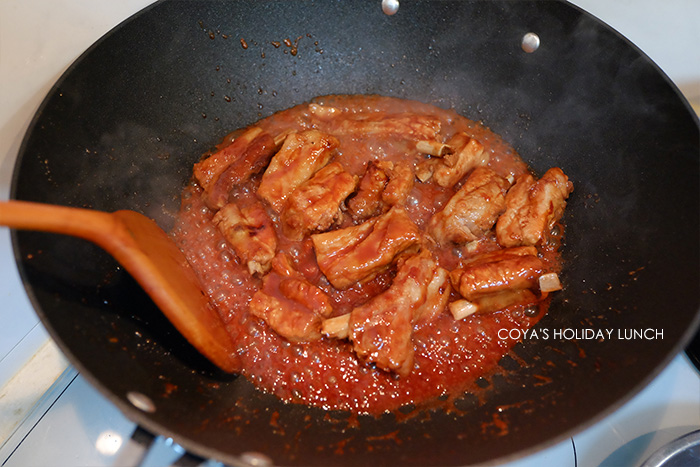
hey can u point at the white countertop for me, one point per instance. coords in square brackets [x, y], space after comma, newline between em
[39, 39]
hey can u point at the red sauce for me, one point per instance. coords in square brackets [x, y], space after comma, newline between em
[450, 354]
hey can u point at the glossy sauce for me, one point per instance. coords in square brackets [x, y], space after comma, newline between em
[450, 354]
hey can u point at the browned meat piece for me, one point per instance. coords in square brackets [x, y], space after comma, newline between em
[498, 255]
[287, 318]
[384, 184]
[247, 155]
[532, 208]
[463, 154]
[291, 306]
[357, 254]
[315, 205]
[208, 170]
[434, 282]
[250, 233]
[282, 265]
[302, 291]
[373, 124]
[363, 124]
[436, 292]
[400, 184]
[368, 200]
[472, 210]
[453, 168]
[509, 269]
[381, 330]
[302, 155]
[504, 299]
[455, 149]
[380, 125]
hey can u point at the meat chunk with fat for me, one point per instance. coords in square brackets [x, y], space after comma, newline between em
[381, 330]
[423, 271]
[532, 208]
[368, 200]
[410, 126]
[381, 333]
[316, 204]
[293, 307]
[233, 164]
[401, 179]
[250, 232]
[463, 154]
[384, 184]
[358, 253]
[500, 271]
[473, 210]
[373, 124]
[301, 156]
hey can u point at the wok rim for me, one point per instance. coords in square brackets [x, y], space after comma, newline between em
[142, 419]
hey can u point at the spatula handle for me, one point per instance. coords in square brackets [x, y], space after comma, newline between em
[84, 223]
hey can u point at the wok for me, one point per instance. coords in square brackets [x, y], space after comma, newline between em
[123, 126]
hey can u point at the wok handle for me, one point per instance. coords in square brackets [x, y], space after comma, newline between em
[84, 223]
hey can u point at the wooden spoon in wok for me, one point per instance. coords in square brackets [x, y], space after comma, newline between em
[149, 255]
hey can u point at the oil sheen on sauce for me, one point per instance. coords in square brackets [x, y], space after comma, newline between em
[450, 355]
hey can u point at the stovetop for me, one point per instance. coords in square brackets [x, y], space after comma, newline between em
[74, 425]
[50, 415]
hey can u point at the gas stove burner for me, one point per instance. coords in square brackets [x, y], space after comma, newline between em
[681, 452]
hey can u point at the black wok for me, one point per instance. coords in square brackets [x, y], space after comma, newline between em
[123, 126]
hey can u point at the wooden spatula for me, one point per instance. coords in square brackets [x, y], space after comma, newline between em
[149, 255]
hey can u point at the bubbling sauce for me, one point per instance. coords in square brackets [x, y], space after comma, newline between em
[449, 354]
